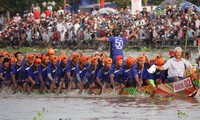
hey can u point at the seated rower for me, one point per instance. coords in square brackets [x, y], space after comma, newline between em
[52, 73]
[92, 72]
[140, 71]
[116, 71]
[62, 69]
[43, 72]
[127, 75]
[5, 73]
[33, 80]
[81, 74]
[103, 76]
[176, 66]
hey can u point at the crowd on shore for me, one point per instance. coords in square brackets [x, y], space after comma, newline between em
[71, 30]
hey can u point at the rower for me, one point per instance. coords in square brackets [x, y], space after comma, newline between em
[103, 76]
[92, 72]
[140, 71]
[33, 80]
[62, 69]
[17, 71]
[52, 73]
[116, 71]
[42, 70]
[5, 72]
[73, 61]
[127, 75]
[81, 74]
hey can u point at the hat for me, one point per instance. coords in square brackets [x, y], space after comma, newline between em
[38, 61]
[64, 57]
[75, 55]
[140, 58]
[130, 61]
[93, 60]
[171, 53]
[119, 57]
[54, 58]
[83, 59]
[31, 56]
[159, 61]
[12, 59]
[44, 57]
[5, 53]
[108, 60]
[51, 51]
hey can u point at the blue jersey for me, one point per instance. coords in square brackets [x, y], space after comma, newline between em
[27, 68]
[104, 75]
[160, 75]
[71, 68]
[33, 72]
[52, 70]
[18, 71]
[142, 73]
[42, 70]
[117, 44]
[5, 72]
[62, 70]
[92, 74]
[127, 74]
[117, 73]
[81, 73]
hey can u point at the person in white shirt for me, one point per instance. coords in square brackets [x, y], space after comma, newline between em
[60, 11]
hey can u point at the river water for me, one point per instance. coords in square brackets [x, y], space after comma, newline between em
[109, 107]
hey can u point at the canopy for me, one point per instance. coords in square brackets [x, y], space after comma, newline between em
[188, 4]
[107, 10]
[170, 2]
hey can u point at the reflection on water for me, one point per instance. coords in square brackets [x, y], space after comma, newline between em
[26, 107]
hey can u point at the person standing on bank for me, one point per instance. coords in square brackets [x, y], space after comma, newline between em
[117, 42]
[176, 66]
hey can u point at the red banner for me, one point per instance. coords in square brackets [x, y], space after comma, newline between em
[102, 4]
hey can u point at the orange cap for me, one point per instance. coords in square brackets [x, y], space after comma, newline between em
[38, 61]
[75, 55]
[63, 57]
[51, 51]
[44, 57]
[119, 57]
[12, 59]
[171, 53]
[159, 61]
[31, 56]
[130, 61]
[140, 58]
[5, 54]
[54, 58]
[108, 60]
[83, 59]
[93, 60]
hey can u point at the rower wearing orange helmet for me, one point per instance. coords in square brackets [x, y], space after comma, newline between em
[33, 80]
[81, 73]
[52, 73]
[43, 71]
[92, 72]
[103, 76]
[116, 71]
[62, 70]
[71, 69]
